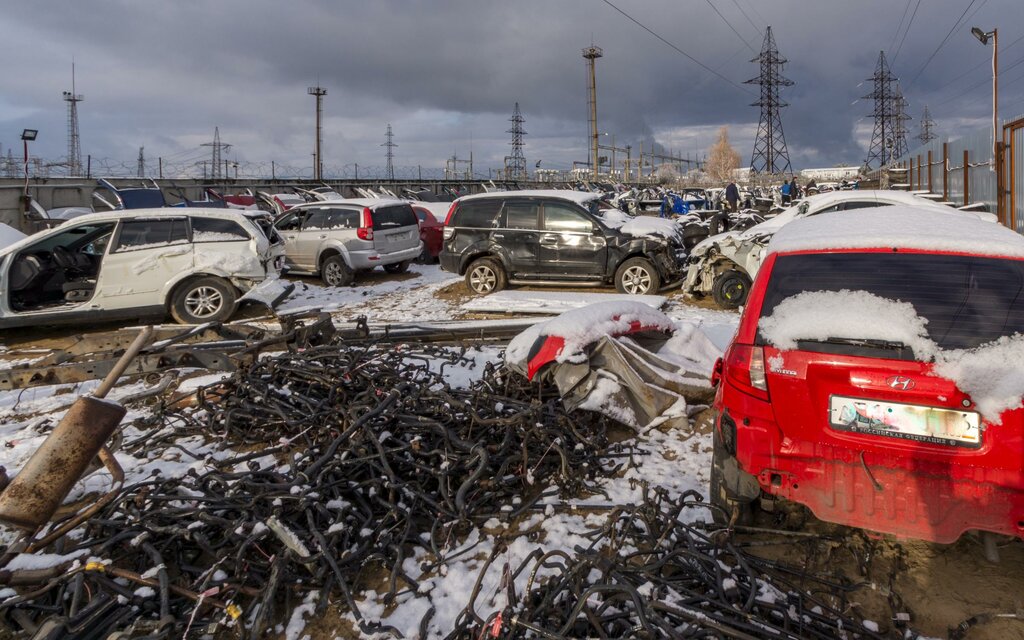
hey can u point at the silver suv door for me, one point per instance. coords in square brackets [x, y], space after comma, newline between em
[307, 242]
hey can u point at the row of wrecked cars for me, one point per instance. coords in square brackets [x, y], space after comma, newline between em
[197, 262]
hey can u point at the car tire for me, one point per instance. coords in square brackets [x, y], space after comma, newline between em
[207, 299]
[637, 276]
[730, 289]
[485, 276]
[335, 272]
[398, 267]
[717, 495]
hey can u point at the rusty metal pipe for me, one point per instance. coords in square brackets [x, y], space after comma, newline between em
[34, 495]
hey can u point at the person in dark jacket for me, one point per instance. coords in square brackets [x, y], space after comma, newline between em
[732, 196]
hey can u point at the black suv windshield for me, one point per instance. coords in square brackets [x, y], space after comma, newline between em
[968, 301]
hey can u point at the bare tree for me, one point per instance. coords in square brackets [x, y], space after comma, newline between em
[723, 159]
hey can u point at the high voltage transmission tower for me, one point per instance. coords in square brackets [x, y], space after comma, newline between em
[899, 110]
[217, 170]
[515, 164]
[927, 123]
[590, 54]
[889, 138]
[770, 154]
[74, 145]
[390, 170]
[318, 159]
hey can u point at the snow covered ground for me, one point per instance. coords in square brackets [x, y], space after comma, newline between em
[678, 460]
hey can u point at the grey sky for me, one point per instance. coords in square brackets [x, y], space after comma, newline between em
[447, 74]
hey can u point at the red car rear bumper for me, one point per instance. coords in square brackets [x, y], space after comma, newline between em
[870, 488]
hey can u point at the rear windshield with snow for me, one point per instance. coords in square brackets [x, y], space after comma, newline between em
[393, 217]
[967, 301]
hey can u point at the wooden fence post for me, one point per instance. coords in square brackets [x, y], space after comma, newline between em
[945, 171]
[967, 179]
[930, 190]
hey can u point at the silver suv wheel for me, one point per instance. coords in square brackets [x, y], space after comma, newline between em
[636, 279]
[204, 302]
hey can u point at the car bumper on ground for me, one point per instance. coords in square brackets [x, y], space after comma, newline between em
[371, 259]
[270, 292]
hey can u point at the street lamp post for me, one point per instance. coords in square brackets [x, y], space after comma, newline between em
[984, 37]
[27, 135]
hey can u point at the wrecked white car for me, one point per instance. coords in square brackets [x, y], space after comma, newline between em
[723, 266]
[194, 264]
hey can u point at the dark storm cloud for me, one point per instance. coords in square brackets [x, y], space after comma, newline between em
[446, 74]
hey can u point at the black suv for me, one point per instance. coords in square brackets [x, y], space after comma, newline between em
[549, 237]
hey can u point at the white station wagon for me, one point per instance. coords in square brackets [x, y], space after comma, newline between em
[194, 264]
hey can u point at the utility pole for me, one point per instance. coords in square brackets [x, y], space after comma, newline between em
[927, 123]
[884, 95]
[140, 171]
[590, 54]
[215, 158]
[516, 163]
[390, 170]
[74, 146]
[770, 153]
[318, 159]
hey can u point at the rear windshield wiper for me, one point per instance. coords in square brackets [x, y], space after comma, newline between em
[859, 347]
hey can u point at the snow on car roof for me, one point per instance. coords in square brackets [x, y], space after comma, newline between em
[579, 197]
[898, 227]
[372, 203]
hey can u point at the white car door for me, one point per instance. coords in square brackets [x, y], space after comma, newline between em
[144, 254]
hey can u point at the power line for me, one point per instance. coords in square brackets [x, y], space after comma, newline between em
[740, 7]
[674, 47]
[964, 92]
[758, 15]
[730, 26]
[896, 35]
[941, 44]
[986, 61]
[904, 39]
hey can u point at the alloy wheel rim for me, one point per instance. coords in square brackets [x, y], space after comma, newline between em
[636, 280]
[483, 280]
[204, 302]
[333, 273]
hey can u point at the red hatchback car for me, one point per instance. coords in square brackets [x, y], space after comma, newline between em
[877, 376]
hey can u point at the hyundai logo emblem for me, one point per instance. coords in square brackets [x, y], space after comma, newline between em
[900, 382]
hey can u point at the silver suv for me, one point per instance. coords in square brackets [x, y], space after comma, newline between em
[337, 238]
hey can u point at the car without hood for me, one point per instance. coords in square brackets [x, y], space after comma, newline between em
[875, 377]
[193, 264]
[724, 265]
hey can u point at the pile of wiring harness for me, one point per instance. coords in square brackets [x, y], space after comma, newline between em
[656, 570]
[328, 463]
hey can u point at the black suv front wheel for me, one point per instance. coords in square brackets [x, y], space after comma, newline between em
[485, 276]
[637, 276]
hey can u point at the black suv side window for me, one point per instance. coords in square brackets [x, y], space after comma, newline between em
[477, 215]
[562, 218]
[521, 215]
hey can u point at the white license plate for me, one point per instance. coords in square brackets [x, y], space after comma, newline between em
[906, 421]
[399, 236]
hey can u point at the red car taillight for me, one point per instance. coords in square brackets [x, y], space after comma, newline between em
[448, 218]
[365, 232]
[744, 367]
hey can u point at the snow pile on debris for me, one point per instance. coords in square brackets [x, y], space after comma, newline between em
[901, 227]
[642, 226]
[581, 327]
[550, 302]
[990, 374]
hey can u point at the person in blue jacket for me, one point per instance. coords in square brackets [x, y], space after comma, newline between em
[786, 195]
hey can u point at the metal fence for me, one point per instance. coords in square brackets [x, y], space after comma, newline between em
[963, 170]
